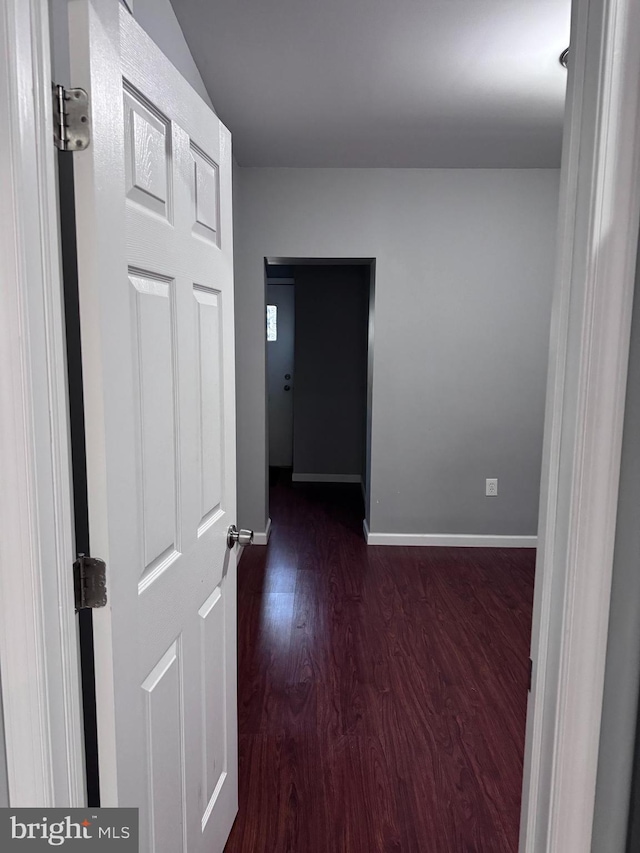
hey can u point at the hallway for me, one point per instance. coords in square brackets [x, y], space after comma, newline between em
[382, 690]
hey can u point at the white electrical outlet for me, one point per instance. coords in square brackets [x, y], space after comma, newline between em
[492, 487]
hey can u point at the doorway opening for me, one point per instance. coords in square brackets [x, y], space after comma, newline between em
[319, 356]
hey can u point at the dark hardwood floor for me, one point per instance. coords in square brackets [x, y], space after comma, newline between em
[382, 691]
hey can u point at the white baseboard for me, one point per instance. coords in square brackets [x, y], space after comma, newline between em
[262, 537]
[326, 478]
[454, 540]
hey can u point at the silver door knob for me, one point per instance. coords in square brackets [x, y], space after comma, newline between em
[238, 537]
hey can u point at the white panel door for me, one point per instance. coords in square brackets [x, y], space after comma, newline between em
[279, 367]
[153, 207]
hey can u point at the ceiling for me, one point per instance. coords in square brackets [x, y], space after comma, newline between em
[375, 83]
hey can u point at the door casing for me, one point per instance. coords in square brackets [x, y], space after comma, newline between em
[38, 628]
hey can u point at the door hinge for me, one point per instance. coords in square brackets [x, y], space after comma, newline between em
[530, 675]
[90, 582]
[70, 118]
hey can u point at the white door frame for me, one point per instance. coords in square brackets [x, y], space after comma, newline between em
[600, 200]
[38, 627]
[591, 319]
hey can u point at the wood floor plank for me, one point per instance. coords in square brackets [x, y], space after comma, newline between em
[382, 691]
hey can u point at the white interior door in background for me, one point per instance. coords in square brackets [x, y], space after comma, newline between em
[279, 366]
[153, 207]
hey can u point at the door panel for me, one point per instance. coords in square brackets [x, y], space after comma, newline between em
[212, 639]
[153, 204]
[205, 195]
[162, 698]
[147, 154]
[208, 314]
[154, 388]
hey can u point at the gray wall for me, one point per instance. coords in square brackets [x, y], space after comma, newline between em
[156, 17]
[464, 272]
[622, 674]
[330, 392]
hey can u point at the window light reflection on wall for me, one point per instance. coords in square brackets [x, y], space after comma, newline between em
[272, 322]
